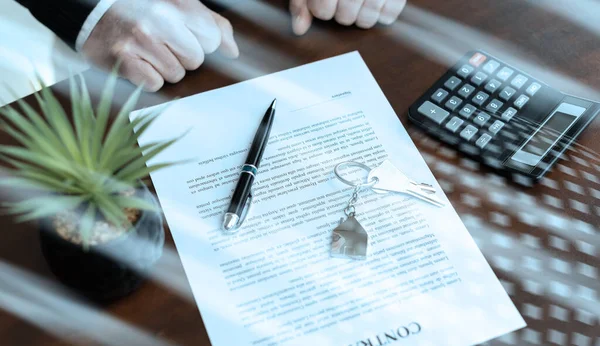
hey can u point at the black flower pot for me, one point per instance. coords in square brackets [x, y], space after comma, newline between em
[112, 270]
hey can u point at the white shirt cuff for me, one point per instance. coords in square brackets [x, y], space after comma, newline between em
[91, 22]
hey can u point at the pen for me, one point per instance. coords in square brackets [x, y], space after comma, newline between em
[242, 195]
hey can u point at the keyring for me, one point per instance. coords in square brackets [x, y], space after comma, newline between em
[355, 164]
[350, 240]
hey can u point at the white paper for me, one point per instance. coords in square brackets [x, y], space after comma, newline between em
[425, 281]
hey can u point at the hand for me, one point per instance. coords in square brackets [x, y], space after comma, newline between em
[364, 13]
[158, 40]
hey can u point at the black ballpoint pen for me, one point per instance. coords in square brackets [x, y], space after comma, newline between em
[242, 194]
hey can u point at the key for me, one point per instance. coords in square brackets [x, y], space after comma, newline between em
[519, 81]
[453, 103]
[433, 112]
[505, 73]
[507, 93]
[466, 90]
[480, 98]
[452, 83]
[493, 85]
[439, 96]
[533, 89]
[423, 186]
[521, 101]
[479, 78]
[491, 66]
[465, 71]
[467, 111]
[494, 106]
[391, 179]
[454, 124]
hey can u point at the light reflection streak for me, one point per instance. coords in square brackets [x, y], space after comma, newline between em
[44, 304]
[261, 13]
[535, 210]
[270, 17]
[211, 297]
[484, 232]
[259, 59]
[446, 41]
[432, 44]
[580, 12]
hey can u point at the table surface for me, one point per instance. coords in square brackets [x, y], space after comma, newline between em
[542, 243]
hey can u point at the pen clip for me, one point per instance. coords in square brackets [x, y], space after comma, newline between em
[243, 215]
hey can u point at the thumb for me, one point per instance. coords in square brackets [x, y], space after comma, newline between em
[301, 16]
[228, 46]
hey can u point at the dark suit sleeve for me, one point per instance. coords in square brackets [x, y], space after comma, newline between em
[64, 17]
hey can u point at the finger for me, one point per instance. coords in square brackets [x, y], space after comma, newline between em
[391, 10]
[202, 24]
[186, 48]
[163, 61]
[347, 11]
[369, 13]
[140, 72]
[228, 46]
[151, 47]
[301, 16]
[322, 9]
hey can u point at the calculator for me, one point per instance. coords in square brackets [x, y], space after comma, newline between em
[501, 116]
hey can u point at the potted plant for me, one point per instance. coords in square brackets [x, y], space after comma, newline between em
[101, 229]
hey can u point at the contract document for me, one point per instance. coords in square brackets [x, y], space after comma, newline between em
[424, 282]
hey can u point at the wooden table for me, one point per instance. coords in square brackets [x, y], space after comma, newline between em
[543, 243]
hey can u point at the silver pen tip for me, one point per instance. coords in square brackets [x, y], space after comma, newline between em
[274, 103]
[230, 221]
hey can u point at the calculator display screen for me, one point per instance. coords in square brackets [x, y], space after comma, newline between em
[532, 152]
[551, 131]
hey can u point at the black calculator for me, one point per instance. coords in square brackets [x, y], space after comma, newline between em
[502, 116]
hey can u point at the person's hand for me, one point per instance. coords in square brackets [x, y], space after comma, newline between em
[364, 13]
[158, 40]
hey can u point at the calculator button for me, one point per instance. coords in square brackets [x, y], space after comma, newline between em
[483, 140]
[519, 81]
[505, 73]
[507, 93]
[467, 111]
[480, 98]
[481, 118]
[494, 106]
[496, 126]
[433, 112]
[466, 90]
[468, 132]
[509, 114]
[465, 71]
[477, 59]
[479, 78]
[533, 89]
[439, 96]
[454, 124]
[453, 103]
[493, 85]
[521, 101]
[491, 66]
[452, 83]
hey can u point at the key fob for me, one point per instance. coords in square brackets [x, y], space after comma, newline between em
[349, 240]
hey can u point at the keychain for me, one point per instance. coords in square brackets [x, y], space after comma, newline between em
[349, 238]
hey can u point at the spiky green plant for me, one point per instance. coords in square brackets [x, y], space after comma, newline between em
[85, 165]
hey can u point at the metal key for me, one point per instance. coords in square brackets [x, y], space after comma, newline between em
[391, 179]
[425, 187]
